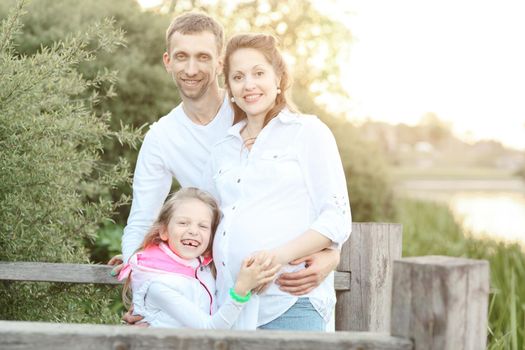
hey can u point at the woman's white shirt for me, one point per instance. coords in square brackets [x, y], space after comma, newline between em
[290, 181]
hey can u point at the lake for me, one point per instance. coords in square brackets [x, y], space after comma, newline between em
[494, 208]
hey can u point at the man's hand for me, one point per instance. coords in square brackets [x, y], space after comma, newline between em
[318, 266]
[116, 260]
[133, 320]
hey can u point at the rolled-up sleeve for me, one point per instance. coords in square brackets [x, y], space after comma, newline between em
[325, 179]
[151, 185]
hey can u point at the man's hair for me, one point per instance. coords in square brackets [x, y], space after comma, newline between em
[194, 22]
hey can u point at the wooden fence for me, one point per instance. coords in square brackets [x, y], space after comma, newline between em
[383, 302]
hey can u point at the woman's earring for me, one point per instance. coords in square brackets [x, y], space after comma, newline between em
[232, 99]
[278, 91]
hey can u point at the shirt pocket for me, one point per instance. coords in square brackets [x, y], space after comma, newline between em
[278, 163]
[224, 179]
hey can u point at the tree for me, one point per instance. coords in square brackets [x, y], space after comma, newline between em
[145, 91]
[53, 183]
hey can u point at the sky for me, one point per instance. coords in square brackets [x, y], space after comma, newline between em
[463, 60]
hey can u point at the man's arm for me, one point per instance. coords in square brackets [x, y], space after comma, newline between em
[151, 185]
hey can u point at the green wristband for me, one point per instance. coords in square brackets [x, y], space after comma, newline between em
[238, 298]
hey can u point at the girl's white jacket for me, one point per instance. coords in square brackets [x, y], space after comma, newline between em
[169, 291]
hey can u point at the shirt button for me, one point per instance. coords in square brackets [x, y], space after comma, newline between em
[233, 208]
[238, 180]
[224, 233]
[275, 156]
[223, 264]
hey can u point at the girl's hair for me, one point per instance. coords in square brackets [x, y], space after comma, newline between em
[267, 45]
[163, 219]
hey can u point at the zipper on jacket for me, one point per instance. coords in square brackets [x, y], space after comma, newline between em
[202, 284]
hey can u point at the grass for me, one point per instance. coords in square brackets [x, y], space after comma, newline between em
[430, 229]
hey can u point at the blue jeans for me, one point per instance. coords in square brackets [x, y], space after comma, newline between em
[302, 316]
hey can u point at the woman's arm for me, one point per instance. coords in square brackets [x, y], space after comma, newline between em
[325, 180]
[306, 244]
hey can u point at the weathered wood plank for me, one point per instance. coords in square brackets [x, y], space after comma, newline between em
[369, 256]
[441, 302]
[84, 273]
[44, 336]
[56, 272]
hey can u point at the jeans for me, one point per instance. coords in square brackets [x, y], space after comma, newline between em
[302, 316]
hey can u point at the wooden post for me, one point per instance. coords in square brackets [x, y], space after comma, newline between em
[441, 302]
[368, 256]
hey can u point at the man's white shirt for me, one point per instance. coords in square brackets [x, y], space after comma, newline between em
[176, 147]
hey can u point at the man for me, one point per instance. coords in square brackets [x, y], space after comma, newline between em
[179, 144]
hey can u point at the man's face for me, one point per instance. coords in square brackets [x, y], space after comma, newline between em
[193, 62]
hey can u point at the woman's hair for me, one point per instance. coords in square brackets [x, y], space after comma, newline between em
[163, 219]
[267, 45]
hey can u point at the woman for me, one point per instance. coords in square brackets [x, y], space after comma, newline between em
[281, 186]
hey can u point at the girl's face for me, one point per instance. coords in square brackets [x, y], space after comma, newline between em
[189, 230]
[253, 82]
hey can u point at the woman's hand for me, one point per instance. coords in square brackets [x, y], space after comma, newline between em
[317, 267]
[255, 271]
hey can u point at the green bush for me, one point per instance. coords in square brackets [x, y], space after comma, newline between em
[54, 188]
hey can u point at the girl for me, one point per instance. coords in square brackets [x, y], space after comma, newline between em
[171, 276]
[281, 186]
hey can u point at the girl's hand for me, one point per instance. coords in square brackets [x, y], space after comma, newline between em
[255, 272]
[270, 259]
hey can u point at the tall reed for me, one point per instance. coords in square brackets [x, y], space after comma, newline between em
[429, 228]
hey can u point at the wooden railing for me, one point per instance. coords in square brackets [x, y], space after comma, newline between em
[413, 303]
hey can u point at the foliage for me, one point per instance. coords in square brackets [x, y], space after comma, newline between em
[430, 229]
[53, 184]
[313, 42]
[108, 242]
[145, 91]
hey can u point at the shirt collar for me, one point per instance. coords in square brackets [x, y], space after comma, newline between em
[193, 263]
[285, 117]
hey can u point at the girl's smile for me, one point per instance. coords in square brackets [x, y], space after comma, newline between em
[189, 230]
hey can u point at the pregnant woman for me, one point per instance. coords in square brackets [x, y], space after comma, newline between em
[280, 183]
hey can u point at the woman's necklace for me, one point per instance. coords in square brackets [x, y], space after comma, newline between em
[250, 137]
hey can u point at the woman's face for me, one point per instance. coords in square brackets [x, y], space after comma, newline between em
[253, 82]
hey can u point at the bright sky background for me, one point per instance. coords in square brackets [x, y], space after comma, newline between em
[461, 59]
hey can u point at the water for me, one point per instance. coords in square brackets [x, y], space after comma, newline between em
[494, 208]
